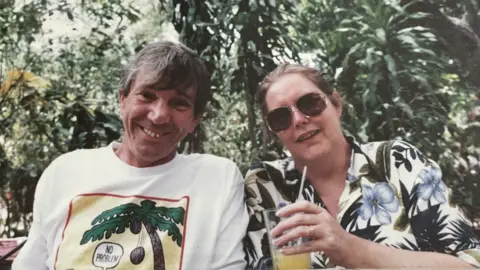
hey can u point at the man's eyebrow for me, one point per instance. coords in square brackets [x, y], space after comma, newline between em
[185, 94]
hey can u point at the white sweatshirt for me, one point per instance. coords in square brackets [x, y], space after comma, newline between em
[94, 211]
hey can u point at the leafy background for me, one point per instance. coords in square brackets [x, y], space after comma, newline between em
[406, 69]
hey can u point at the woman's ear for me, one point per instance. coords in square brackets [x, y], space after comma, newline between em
[336, 100]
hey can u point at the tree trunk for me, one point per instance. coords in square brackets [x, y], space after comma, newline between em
[266, 138]
[250, 116]
[7, 221]
[192, 14]
[158, 256]
[386, 94]
[250, 76]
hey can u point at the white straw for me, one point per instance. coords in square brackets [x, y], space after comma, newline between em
[303, 181]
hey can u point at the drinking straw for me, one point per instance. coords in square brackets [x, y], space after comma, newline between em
[303, 181]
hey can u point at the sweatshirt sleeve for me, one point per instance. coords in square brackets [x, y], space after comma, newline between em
[229, 252]
[34, 253]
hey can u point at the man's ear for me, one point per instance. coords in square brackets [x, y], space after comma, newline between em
[195, 123]
[337, 102]
[121, 98]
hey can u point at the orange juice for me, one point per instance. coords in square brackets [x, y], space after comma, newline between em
[287, 262]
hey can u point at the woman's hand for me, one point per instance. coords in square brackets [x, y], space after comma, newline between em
[305, 219]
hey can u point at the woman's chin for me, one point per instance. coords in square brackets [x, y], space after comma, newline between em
[312, 154]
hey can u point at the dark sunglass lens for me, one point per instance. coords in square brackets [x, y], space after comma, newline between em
[311, 104]
[279, 119]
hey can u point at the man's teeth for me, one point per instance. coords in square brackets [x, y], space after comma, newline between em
[151, 133]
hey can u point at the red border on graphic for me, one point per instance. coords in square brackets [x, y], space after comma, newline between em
[129, 196]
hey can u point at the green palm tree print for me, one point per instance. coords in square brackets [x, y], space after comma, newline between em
[134, 216]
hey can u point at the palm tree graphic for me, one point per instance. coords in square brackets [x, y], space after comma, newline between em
[132, 215]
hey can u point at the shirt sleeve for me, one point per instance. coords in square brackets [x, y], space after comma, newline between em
[34, 253]
[437, 222]
[229, 253]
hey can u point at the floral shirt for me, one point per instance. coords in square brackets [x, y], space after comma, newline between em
[394, 195]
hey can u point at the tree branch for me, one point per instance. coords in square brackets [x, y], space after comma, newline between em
[459, 38]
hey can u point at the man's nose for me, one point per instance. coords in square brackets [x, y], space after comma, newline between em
[159, 113]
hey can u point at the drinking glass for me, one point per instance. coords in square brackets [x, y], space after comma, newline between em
[280, 261]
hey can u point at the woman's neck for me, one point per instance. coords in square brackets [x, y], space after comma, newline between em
[327, 175]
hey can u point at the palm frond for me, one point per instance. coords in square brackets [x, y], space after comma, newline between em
[370, 233]
[170, 227]
[351, 215]
[429, 229]
[463, 234]
[121, 210]
[249, 249]
[406, 245]
[108, 227]
[412, 201]
[267, 200]
[177, 214]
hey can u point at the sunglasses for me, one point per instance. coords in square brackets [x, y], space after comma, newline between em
[311, 104]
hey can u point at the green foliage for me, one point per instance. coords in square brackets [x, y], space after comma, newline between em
[57, 94]
[241, 41]
[397, 82]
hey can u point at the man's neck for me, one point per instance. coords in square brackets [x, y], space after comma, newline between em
[128, 157]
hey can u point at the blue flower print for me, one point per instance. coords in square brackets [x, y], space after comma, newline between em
[379, 201]
[432, 185]
[351, 177]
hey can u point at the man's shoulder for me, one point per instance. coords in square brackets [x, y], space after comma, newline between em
[82, 153]
[219, 171]
[209, 161]
[70, 163]
[204, 157]
[77, 157]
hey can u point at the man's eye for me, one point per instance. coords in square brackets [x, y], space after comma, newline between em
[147, 95]
[179, 103]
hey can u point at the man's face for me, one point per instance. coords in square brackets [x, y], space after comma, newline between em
[154, 122]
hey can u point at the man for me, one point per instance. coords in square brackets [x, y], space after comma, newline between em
[139, 204]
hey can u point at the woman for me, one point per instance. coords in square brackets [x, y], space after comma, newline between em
[373, 205]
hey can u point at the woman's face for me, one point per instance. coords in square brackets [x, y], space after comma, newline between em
[307, 137]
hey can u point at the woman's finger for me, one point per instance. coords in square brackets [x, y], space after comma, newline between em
[307, 247]
[300, 206]
[296, 220]
[293, 235]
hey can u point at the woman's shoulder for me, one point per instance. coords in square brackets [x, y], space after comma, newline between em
[402, 163]
[395, 149]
